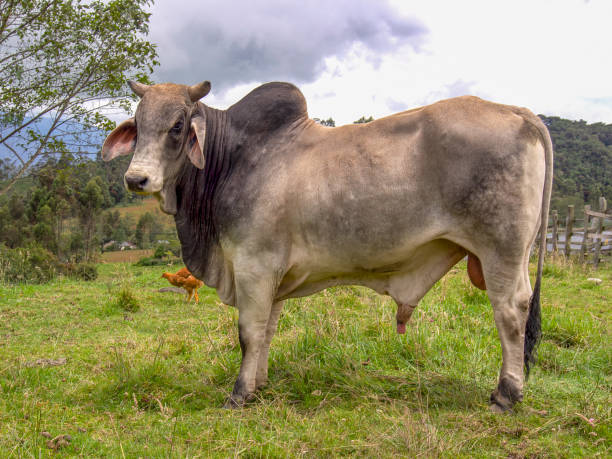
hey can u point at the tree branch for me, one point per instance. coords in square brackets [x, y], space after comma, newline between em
[15, 153]
[33, 158]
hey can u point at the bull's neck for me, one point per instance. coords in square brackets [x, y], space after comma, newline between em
[196, 195]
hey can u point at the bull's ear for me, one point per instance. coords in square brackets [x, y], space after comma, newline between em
[121, 141]
[197, 136]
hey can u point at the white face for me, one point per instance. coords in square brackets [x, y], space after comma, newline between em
[149, 174]
[162, 124]
[168, 128]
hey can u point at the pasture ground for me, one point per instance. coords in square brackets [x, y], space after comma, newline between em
[125, 256]
[151, 383]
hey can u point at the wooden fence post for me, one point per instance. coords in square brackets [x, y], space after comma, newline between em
[585, 236]
[603, 206]
[569, 226]
[555, 232]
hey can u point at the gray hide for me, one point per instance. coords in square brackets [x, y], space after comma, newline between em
[270, 205]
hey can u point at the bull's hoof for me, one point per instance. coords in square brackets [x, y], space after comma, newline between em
[235, 402]
[505, 396]
[495, 408]
[241, 395]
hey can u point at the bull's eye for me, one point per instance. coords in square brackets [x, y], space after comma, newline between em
[177, 128]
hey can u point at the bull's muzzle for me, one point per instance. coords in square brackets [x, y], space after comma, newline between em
[136, 182]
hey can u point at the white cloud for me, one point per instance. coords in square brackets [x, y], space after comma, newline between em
[236, 42]
[354, 58]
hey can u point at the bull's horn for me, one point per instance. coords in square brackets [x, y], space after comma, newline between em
[138, 88]
[197, 91]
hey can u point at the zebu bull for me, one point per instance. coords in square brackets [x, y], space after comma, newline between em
[269, 205]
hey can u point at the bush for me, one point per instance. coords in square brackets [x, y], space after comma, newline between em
[168, 250]
[83, 271]
[160, 251]
[87, 271]
[152, 261]
[175, 247]
[27, 264]
[126, 300]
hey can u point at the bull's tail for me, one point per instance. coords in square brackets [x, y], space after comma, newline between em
[533, 327]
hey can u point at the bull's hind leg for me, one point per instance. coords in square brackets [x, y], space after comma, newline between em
[509, 291]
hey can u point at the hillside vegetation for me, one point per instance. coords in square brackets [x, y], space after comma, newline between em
[147, 377]
[583, 161]
[73, 207]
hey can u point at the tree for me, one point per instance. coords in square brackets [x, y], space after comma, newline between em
[115, 227]
[43, 229]
[110, 221]
[63, 190]
[148, 231]
[91, 200]
[6, 169]
[583, 159]
[16, 207]
[15, 226]
[63, 67]
[328, 122]
[114, 171]
[364, 120]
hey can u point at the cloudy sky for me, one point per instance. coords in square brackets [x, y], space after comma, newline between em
[377, 57]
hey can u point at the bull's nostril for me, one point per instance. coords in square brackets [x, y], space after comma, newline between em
[136, 182]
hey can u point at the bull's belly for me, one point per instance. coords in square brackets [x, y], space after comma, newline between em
[304, 283]
[405, 277]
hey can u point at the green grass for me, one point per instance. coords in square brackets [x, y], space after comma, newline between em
[151, 383]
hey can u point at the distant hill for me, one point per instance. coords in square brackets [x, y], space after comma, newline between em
[138, 208]
[42, 125]
[583, 159]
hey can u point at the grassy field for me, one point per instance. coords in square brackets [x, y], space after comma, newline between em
[151, 383]
[125, 256]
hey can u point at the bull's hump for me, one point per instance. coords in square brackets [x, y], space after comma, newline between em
[269, 107]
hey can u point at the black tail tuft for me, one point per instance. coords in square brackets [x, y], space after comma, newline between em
[533, 329]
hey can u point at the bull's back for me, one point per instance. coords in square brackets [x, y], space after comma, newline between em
[353, 187]
[377, 191]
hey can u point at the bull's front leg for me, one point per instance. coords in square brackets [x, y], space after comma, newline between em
[254, 302]
[262, 365]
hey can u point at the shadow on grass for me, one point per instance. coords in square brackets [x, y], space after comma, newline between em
[334, 386]
[155, 386]
[304, 382]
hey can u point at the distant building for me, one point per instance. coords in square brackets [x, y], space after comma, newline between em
[125, 245]
[108, 244]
